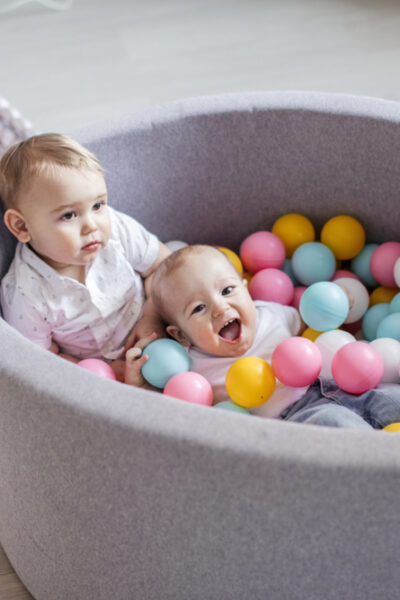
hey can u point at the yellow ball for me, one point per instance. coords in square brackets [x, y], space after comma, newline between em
[382, 294]
[293, 229]
[392, 427]
[344, 235]
[311, 334]
[250, 381]
[233, 257]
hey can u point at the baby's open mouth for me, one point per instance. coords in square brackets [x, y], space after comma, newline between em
[231, 330]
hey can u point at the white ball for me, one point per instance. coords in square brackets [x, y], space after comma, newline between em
[396, 272]
[389, 349]
[359, 294]
[176, 245]
[329, 343]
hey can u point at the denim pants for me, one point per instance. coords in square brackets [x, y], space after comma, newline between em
[325, 403]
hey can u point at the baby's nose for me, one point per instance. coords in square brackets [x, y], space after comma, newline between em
[219, 307]
[89, 224]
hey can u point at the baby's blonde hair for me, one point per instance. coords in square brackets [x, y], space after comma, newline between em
[38, 154]
[159, 289]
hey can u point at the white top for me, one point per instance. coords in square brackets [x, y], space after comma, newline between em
[275, 323]
[85, 320]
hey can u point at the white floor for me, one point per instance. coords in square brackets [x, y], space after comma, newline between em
[100, 58]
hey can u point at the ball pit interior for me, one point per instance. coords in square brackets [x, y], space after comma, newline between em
[112, 492]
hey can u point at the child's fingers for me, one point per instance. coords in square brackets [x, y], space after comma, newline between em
[143, 342]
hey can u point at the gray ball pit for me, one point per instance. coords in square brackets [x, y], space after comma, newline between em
[107, 492]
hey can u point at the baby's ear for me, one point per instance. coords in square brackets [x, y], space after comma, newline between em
[178, 335]
[16, 223]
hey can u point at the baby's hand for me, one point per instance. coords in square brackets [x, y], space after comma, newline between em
[143, 329]
[134, 361]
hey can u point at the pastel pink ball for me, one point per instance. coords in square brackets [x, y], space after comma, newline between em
[357, 367]
[297, 294]
[296, 361]
[262, 250]
[382, 263]
[339, 273]
[191, 387]
[97, 366]
[271, 285]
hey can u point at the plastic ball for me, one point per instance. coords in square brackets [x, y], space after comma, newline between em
[250, 381]
[231, 406]
[328, 344]
[294, 230]
[296, 361]
[340, 273]
[382, 294]
[174, 245]
[360, 296]
[394, 305]
[396, 272]
[389, 349]
[360, 265]
[271, 285]
[357, 367]
[98, 366]
[344, 235]
[313, 262]
[382, 263]
[262, 250]
[311, 334]
[297, 294]
[389, 326]
[372, 318]
[191, 387]
[287, 268]
[233, 257]
[166, 359]
[324, 305]
[392, 428]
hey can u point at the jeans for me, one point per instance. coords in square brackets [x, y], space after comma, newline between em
[325, 403]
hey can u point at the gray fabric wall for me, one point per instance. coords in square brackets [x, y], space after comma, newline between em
[111, 492]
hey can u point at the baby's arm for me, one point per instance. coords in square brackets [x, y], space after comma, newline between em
[150, 321]
[134, 361]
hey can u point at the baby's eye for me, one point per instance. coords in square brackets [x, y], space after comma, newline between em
[227, 290]
[68, 216]
[198, 308]
[97, 205]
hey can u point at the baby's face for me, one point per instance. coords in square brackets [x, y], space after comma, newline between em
[66, 216]
[213, 306]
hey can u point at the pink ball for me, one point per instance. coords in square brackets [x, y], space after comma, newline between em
[97, 366]
[357, 367]
[271, 285]
[382, 263]
[339, 273]
[191, 387]
[296, 361]
[297, 294]
[262, 250]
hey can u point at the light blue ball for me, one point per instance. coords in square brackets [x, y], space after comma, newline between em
[360, 265]
[394, 306]
[287, 268]
[324, 306]
[313, 262]
[231, 406]
[389, 327]
[372, 318]
[166, 358]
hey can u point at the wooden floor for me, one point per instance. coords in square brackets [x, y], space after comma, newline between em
[11, 587]
[101, 58]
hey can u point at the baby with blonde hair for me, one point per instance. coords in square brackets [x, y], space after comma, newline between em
[76, 283]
